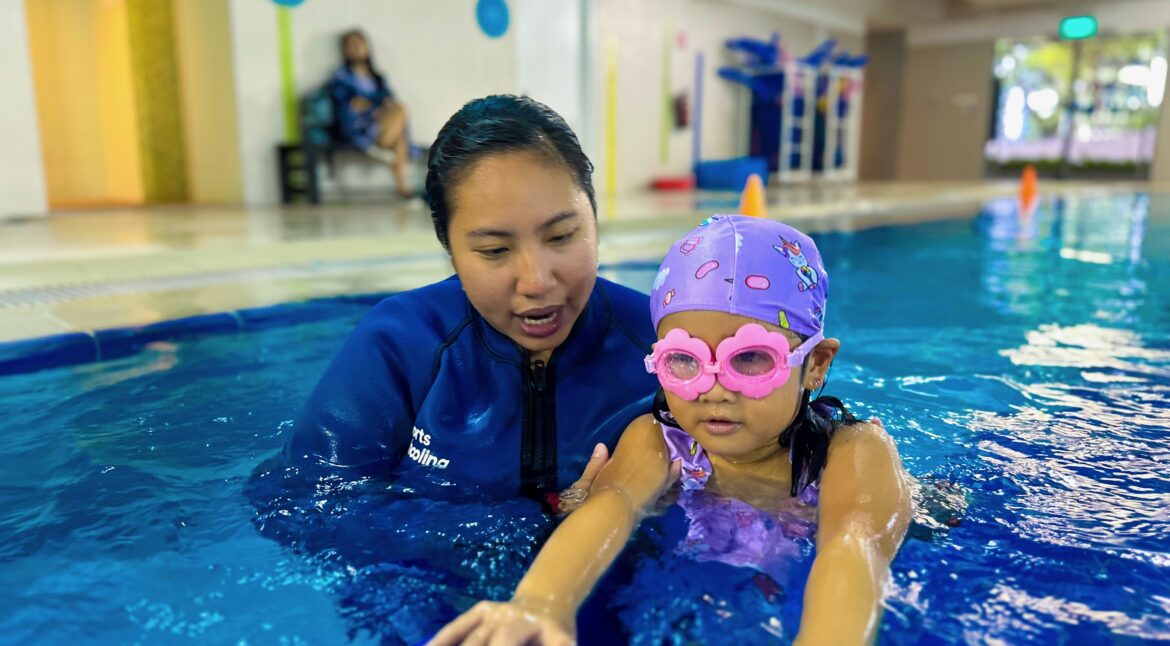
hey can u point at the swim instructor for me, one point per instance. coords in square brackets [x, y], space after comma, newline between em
[513, 373]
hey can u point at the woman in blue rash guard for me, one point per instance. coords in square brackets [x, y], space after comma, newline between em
[508, 376]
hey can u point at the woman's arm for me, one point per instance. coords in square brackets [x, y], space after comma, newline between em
[357, 422]
[580, 550]
[864, 510]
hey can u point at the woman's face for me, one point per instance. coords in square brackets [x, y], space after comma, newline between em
[523, 239]
[356, 49]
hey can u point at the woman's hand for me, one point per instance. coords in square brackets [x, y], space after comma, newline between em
[500, 624]
[573, 497]
[570, 499]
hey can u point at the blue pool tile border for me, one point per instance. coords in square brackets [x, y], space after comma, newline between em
[72, 348]
[41, 353]
[122, 342]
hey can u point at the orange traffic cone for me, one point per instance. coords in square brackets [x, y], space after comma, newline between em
[1028, 189]
[751, 201]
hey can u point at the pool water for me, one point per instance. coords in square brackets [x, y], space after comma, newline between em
[1021, 364]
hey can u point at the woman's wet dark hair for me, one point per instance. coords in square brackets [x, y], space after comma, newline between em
[807, 438]
[494, 125]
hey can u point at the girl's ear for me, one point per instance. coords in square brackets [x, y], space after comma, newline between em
[818, 362]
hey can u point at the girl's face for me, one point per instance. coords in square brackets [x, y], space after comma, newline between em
[728, 423]
[523, 239]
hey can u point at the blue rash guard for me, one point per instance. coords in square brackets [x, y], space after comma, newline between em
[425, 390]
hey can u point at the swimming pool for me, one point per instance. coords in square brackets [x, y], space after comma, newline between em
[1024, 362]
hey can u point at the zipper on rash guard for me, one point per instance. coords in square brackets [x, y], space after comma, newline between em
[538, 435]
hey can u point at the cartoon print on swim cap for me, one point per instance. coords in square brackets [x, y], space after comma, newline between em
[689, 245]
[669, 297]
[708, 221]
[791, 250]
[756, 281]
[706, 268]
[808, 277]
[819, 314]
[660, 279]
[733, 269]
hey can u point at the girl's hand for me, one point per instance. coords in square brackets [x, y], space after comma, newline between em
[500, 624]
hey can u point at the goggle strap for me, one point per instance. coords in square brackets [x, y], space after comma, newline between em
[797, 356]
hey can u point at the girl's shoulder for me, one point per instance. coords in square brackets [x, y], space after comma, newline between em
[861, 432]
[861, 452]
[639, 465]
[643, 437]
[644, 430]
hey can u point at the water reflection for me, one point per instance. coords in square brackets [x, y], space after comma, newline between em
[1075, 255]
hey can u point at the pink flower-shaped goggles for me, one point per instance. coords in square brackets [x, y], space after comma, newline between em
[753, 362]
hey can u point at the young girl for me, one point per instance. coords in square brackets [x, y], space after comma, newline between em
[739, 305]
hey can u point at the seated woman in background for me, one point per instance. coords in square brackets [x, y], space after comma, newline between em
[368, 115]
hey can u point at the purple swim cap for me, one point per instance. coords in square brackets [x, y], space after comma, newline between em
[748, 266]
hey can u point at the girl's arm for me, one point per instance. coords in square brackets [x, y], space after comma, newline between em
[864, 510]
[545, 603]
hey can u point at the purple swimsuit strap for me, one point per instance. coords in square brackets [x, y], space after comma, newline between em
[696, 466]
